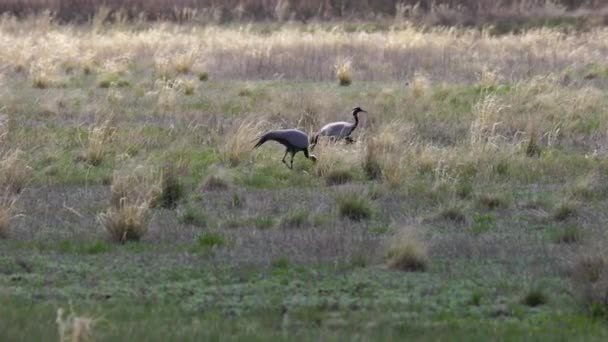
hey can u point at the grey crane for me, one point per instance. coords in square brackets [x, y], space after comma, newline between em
[294, 141]
[338, 130]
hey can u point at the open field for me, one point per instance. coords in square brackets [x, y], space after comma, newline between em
[471, 206]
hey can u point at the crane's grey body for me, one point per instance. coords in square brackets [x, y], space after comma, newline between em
[294, 141]
[338, 130]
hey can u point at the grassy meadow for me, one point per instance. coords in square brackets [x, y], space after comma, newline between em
[472, 206]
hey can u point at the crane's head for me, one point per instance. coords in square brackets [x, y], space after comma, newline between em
[358, 110]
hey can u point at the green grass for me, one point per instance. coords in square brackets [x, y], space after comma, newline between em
[355, 207]
[261, 252]
[194, 215]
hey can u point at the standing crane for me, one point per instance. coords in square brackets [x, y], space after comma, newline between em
[294, 141]
[338, 130]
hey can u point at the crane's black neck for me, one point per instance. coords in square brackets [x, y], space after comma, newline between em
[356, 115]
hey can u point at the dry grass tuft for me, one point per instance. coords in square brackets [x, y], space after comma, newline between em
[74, 328]
[240, 141]
[354, 206]
[453, 214]
[133, 192]
[140, 185]
[338, 177]
[97, 141]
[491, 201]
[372, 163]
[420, 84]
[7, 212]
[590, 276]
[566, 210]
[182, 63]
[483, 130]
[43, 74]
[344, 71]
[128, 222]
[406, 252]
[13, 172]
[172, 189]
[216, 183]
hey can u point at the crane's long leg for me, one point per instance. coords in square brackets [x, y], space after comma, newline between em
[292, 155]
[285, 155]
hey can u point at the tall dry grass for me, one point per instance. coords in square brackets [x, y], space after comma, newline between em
[440, 11]
[240, 139]
[442, 55]
[133, 191]
[73, 327]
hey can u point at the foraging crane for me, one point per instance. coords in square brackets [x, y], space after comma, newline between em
[338, 130]
[293, 139]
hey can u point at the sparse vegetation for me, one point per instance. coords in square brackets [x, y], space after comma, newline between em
[487, 147]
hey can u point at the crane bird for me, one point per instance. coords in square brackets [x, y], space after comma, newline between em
[338, 130]
[294, 141]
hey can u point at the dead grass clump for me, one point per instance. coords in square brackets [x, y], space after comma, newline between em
[590, 277]
[188, 87]
[420, 84]
[338, 177]
[13, 172]
[565, 211]
[43, 75]
[453, 214]
[203, 76]
[182, 63]
[483, 130]
[240, 140]
[406, 252]
[7, 212]
[372, 164]
[172, 189]
[344, 71]
[133, 192]
[140, 185]
[491, 201]
[74, 328]
[216, 183]
[97, 142]
[128, 222]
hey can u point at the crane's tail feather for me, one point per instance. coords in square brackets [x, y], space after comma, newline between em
[261, 141]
